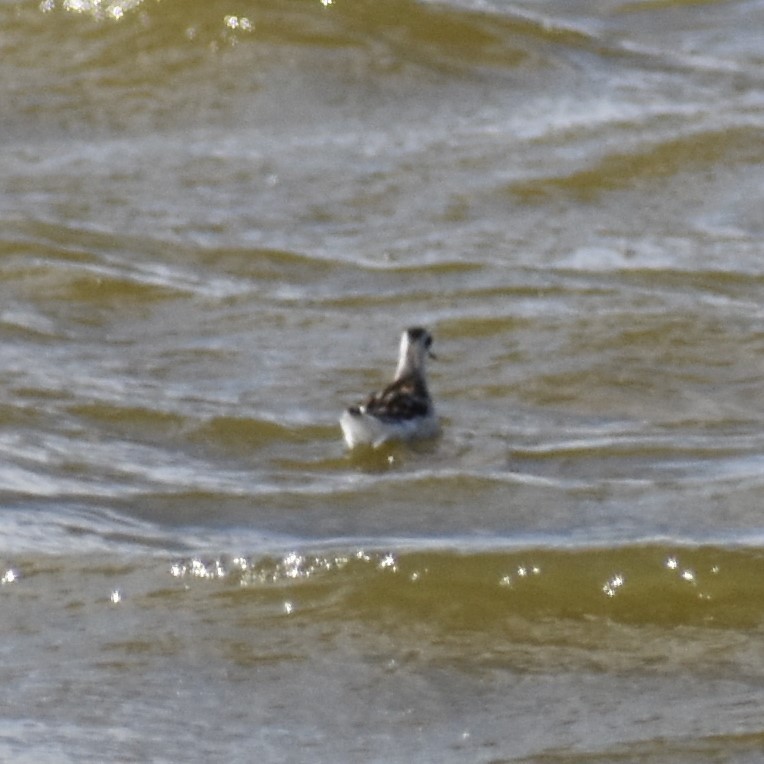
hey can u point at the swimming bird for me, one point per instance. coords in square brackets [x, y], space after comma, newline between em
[404, 409]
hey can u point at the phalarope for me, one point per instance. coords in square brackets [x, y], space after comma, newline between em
[403, 410]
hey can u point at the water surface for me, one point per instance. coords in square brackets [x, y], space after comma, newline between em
[216, 220]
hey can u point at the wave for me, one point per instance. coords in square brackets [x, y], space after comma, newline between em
[449, 586]
[653, 583]
[695, 152]
[433, 35]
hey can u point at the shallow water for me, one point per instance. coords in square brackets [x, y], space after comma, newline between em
[217, 219]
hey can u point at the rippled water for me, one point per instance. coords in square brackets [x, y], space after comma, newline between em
[217, 218]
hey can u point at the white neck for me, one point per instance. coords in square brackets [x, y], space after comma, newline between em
[411, 359]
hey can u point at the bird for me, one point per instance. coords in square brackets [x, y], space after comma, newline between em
[404, 409]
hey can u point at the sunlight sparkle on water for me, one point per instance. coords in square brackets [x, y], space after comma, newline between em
[294, 566]
[9, 577]
[613, 585]
[241, 23]
[97, 8]
[198, 569]
[388, 562]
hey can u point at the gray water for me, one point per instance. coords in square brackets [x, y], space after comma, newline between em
[216, 221]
